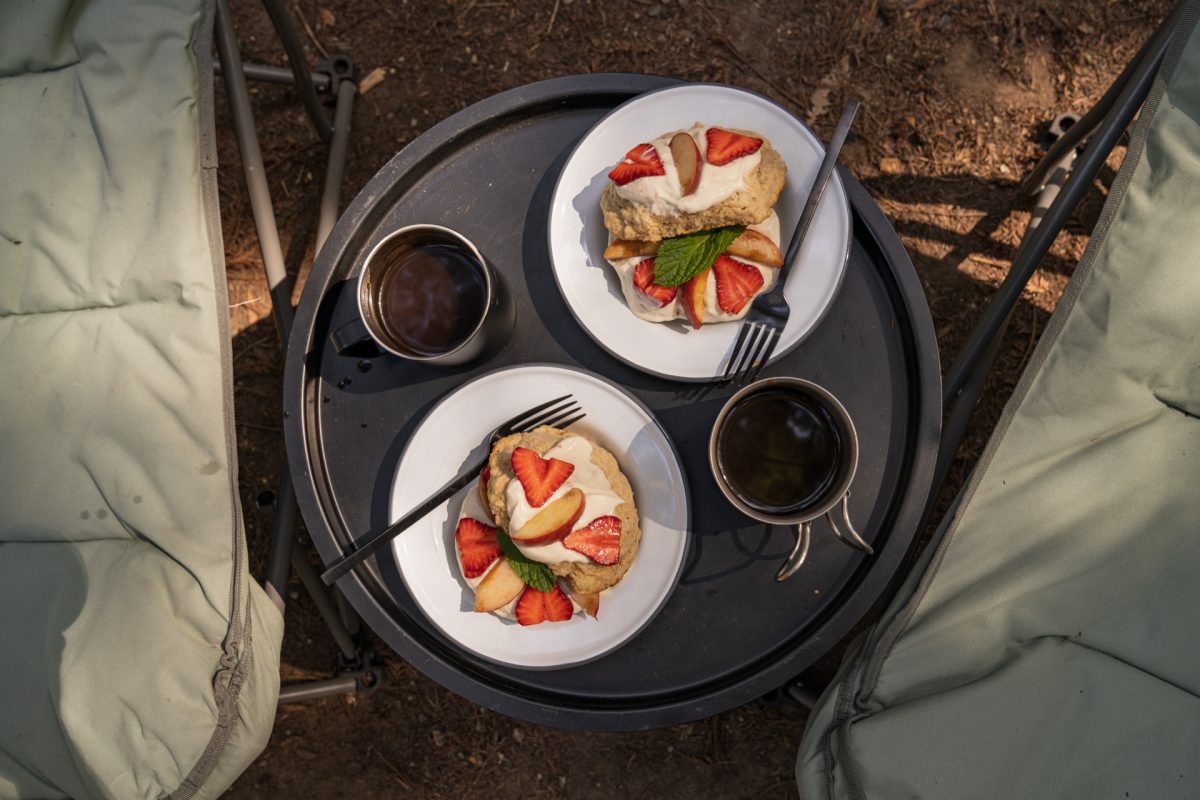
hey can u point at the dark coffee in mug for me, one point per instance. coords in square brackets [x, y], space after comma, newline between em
[429, 295]
[779, 451]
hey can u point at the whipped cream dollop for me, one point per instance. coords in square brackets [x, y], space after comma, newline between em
[663, 193]
[648, 309]
[599, 499]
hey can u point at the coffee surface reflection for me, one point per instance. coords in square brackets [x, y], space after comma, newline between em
[779, 451]
[431, 297]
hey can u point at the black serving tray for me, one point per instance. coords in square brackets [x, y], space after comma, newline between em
[729, 632]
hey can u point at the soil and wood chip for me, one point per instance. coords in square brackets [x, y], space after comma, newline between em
[955, 99]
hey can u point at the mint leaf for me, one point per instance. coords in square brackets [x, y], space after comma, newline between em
[534, 573]
[682, 258]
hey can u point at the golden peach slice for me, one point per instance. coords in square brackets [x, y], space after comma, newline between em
[691, 295]
[687, 162]
[498, 588]
[628, 248]
[552, 522]
[590, 603]
[754, 246]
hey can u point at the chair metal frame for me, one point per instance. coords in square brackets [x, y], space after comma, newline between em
[1060, 181]
[336, 78]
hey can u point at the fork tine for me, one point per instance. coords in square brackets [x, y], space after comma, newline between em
[766, 356]
[745, 360]
[760, 345]
[558, 412]
[519, 418]
[736, 351]
[566, 423]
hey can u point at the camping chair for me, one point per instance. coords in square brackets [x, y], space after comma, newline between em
[140, 657]
[1045, 644]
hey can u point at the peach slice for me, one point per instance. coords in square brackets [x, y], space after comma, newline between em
[754, 246]
[485, 475]
[590, 603]
[498, 587]
[687, 162]
[628, 248]
[552, 522]
[691, 295]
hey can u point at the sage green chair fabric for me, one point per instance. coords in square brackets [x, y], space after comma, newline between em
[1049, 645]
[138, 659]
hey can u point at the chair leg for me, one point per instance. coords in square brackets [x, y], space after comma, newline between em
[1124, 107]
[286, 30]
[335, 169]
[356, 670]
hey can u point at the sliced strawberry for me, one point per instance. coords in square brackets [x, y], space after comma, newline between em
[737, 282]
[640, 162]
[539, 477]
[535, 607]
[484, 476]
[725, 146]
[643, 279]
[599, 540]
[478, 546]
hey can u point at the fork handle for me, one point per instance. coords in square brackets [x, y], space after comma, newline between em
[373, 542]
[818, 189]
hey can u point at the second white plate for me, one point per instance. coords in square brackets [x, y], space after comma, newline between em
[577, 236]
[450, 437]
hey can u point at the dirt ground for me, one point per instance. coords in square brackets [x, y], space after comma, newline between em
[954, 101]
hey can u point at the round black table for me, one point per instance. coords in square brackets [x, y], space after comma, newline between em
[729, 632]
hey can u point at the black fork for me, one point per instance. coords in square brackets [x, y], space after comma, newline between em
[561, 412]
[768, 315]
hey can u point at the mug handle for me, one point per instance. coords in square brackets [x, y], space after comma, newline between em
[850, 536]
[354, 339]
[795, 559]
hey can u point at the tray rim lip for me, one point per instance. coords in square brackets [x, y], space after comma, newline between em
[842, 268]
[709, 699]
[687, 508]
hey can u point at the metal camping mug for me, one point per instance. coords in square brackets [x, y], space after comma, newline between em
[466, 272]
[835, 495]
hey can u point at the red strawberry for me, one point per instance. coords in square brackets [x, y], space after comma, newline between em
[484, 476]
[640, 162]
[725, 146]
[478, 546]
[737, 282]
[539, 476]
[643, 279]
[536, 607]
[600, 540]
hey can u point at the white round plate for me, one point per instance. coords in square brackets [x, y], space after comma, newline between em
[451, 436]
[577, 235]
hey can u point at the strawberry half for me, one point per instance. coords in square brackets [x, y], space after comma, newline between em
[478, 546]
[599, 540]
[725, 146]
[484, 476]
[539, 477]
[536, 607]
[643, 279]
[737, 282]
[640, 162]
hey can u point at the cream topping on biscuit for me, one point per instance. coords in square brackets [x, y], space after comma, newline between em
[662, 192]
[599, 499]
[646, 308]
